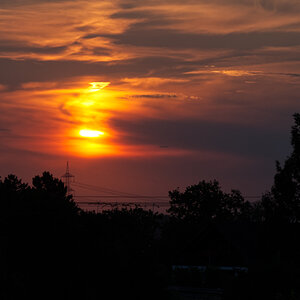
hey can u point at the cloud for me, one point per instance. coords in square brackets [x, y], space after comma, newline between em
[43, 24]
[64, 110]
[290, 74]
[133, 14]
[170, 38]
[21, 153]
[11, 47]
[152, 81]
[114, 31]
[234, 73]
[29, 70]
[217, 17]
[155, 96]
[234, 139]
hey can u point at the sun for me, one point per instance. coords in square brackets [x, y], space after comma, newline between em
[90, 133]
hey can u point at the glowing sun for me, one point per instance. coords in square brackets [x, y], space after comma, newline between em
[90, 133]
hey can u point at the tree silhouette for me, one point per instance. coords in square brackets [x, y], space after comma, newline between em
[205, 202]
[14, 200]
[52, 196]
[282, 204]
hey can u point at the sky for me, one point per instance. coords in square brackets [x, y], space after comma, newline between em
[146, 96]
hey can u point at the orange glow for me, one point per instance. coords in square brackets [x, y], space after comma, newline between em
[90, 133]
[91, 148]
[76, 117]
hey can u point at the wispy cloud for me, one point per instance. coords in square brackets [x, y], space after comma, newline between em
[155, 96]
[152, 81]
[47, 33]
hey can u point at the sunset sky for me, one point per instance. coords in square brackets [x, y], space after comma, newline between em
[145, 96]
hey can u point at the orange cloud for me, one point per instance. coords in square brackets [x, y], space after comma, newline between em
[38, 27]
[43, 30]
[152, 81]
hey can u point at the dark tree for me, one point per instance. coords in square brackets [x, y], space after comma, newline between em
[52, 196]
[205, 202]
[286, 189]
[13, 195]
[50, 248]
[282, 204]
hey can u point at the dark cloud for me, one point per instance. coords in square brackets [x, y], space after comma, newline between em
[64, 110]
[91, 36]
[84, 28]
[13, 72]
[269, 5]
[169, 38]
[19, 152]
[144, 19]
[290, 74]
[8, 3]
[17, 47]
[156, 96]
[101, 51]
[234, 139]
[127, 14]
[65, 121]
[128, 4]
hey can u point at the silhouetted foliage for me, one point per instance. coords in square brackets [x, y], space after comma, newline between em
[206, 202]
[52, 196]
[286, 189]
[13, 196]
[37, 234]
[282, 204]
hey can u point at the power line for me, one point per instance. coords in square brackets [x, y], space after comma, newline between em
[111, 193]
[103, 189]
[122, 203]
[121, 196]
[140, 196]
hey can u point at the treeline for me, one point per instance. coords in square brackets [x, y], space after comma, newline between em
[206, 201]
[51, 249]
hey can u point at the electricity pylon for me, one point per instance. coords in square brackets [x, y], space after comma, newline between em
[67, 178]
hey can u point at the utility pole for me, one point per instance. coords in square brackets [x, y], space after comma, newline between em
[67, 178]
